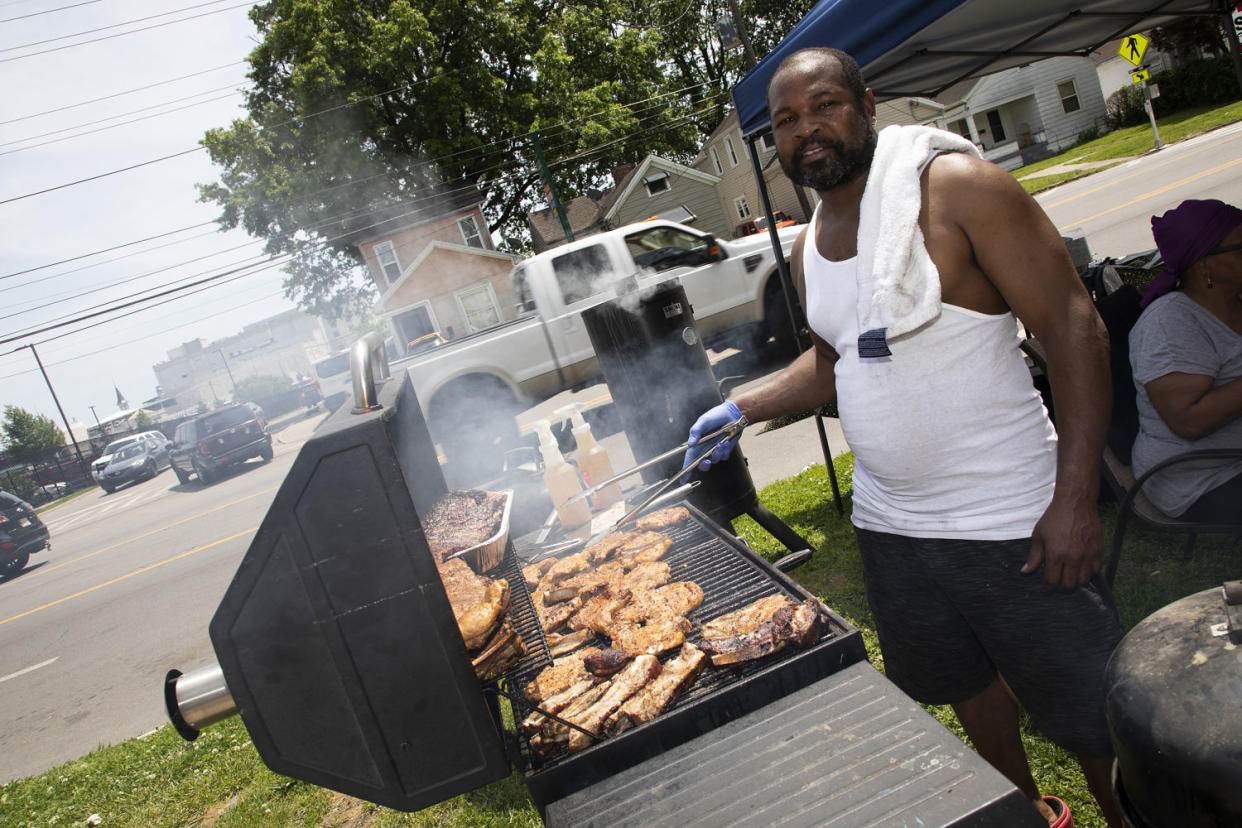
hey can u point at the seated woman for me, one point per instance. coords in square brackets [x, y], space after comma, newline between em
[1186, 354]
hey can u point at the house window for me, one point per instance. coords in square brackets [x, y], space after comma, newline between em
[998, 129]
[715, 160]
[732, 152]
[1069, 95]
[657, 183]
[478, 306]
[743, 209]
[470, 231]
[387, 256]
[767, 141]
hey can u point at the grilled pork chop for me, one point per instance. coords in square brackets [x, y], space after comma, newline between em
[674, 599]
[676, 677]
[625, 684]
[564, 568]
[662, 519]
[478, 602]
[606, 662]
[745, 620]
[647, 576]
[602, 550]
[560, 675]
[643, 547]
[534, 572]
[798, 624]
[597, 613]
[652, 638]
[553, 616]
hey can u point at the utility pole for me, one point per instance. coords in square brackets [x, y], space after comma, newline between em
[81, 461]
[228, 371]
[93, 414]
[556, 199]
[748, 49]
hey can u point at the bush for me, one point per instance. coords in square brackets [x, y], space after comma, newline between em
[1202, 83]
[1089, 134]
[1125, 107]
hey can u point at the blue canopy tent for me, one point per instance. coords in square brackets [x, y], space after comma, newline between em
[922, 47]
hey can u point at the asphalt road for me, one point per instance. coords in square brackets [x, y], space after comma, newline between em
[89, 629]
[1113, 208]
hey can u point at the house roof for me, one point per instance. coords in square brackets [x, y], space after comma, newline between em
[644, 169]
[432, 246]
[383, 222]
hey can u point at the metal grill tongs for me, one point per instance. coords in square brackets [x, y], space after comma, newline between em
[727, 432]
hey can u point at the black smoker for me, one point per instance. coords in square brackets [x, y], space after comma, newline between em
[661, 381]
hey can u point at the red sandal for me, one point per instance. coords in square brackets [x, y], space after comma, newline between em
[1064, 818]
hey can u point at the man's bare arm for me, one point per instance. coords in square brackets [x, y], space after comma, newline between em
[808, 382]
[1022, 255]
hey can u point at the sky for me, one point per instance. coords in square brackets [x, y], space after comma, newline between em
[50, 264]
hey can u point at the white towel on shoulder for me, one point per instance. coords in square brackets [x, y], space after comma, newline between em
[898, 285]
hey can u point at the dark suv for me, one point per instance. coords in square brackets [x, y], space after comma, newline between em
[210, 442]
[21, 532]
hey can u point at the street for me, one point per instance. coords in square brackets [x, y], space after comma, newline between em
[126, 592]
[89, 629]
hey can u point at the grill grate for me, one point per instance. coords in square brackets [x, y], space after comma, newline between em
[701, 552]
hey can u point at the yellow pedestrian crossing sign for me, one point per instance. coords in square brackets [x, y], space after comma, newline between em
[1132, 48]
[1140, 76]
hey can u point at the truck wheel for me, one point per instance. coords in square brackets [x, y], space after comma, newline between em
[204, 476]
[266, 453]
[8, 570]
[474, 421]
[776, 321]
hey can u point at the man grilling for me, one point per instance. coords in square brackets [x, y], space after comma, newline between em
[976, 522]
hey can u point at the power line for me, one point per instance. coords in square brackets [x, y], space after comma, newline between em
[120, 34]
[120, 94]
[110, 26]
[101, 175]
[72, 127]
[49, 11]
[107, 250]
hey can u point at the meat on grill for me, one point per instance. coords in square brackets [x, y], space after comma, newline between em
[462, 518]
[560, 675]
[606, 662]
[662, 519]
[643, 547]
[555, 704]
[798, 624]
[597, 612]
[553, 735]
[478, 602]
[561, 643]
[676, 677]
[534, 572]
[745, 620]
[670, 600]
[504, 648]
[625, 684]
[647, 576]
[602, 550]
[553, 616]
[652, 638]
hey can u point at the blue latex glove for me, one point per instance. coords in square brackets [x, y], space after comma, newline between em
[713, 420]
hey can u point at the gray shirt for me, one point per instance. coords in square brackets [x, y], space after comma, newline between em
[1177, 335]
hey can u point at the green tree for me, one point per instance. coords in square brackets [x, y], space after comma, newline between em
[1190, 37]
[365, 116]
[250, 389]
[27, 436]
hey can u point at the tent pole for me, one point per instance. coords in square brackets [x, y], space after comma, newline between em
[782, 267]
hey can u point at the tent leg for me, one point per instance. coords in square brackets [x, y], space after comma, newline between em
[782, 266]
[832, 471]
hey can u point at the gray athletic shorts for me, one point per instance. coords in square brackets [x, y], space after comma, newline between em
[951, 614]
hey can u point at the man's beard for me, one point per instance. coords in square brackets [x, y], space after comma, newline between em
[841, 165]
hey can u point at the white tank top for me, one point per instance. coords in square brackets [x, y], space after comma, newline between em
[950, 437]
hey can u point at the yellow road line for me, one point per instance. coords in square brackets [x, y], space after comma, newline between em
[1146, 171]
[1152, 193]
[46, 569]
[128, 575]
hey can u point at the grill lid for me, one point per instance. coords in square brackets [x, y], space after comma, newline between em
[335, 636]
[1173, 691]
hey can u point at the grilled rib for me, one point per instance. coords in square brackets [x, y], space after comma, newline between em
[554, 705]
[626, 683]
[504, 648]
[562, 673]
[676, 677]
[561, 643]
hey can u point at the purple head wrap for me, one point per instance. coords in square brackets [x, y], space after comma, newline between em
[1184, 235]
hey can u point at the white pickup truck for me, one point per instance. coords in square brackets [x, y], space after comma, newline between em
[471, 388]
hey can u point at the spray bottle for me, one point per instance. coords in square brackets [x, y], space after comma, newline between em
[561, 479]
[592, 458]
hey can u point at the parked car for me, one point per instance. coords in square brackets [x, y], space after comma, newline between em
[308, 391]
[49, 492]
[207, 444]
[101, 462]
[760, 224]
[142, 459]
[21, 533]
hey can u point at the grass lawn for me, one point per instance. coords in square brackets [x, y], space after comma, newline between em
[219, 780]
[1127, 143]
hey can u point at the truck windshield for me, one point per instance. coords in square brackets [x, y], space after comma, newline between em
[583, 272]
